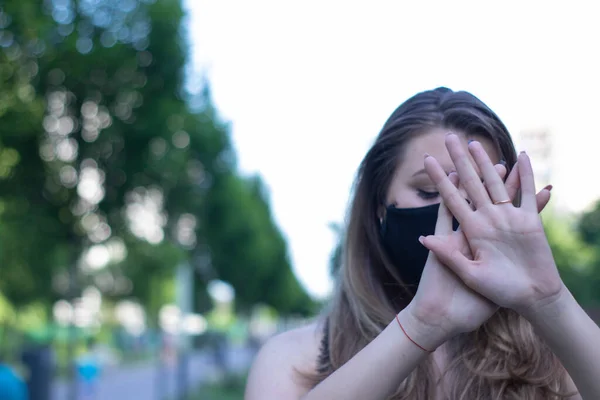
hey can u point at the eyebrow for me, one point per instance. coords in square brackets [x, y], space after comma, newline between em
[422, 171]
[419, 172]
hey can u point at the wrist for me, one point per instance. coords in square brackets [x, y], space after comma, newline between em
[428, 334]
[551, 308]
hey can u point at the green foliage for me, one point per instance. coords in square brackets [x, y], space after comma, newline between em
[230, 388]
[335, 259]
[100, 150]
[574, 258]
[250, 254]
[589, 226]
[589, 230]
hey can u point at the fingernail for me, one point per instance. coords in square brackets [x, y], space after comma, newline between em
[470, 141]
[426, 155]
[549, 188]
[503, 162]
[421, 239]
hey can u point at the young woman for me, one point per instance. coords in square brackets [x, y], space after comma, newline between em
[448, 288]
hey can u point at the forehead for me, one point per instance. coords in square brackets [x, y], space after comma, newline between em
[433, 142]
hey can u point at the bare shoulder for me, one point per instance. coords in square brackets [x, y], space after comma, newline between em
[572, 388]
[275, 371]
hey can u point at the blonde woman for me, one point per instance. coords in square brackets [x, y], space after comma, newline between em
[448, 288]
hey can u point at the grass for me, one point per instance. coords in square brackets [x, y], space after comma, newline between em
[231, 388]
[217, 393]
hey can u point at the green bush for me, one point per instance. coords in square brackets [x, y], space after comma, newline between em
[230, 388]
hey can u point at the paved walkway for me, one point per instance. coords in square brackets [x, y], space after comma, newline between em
[147, 381]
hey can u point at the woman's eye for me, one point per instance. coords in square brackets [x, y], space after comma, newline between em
[427, 195]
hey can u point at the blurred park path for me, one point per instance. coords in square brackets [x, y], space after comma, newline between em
[147, 381]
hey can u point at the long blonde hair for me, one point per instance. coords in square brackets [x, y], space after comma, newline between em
[503, 359]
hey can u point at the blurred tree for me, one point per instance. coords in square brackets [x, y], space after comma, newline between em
[589, 226]
[104, 166]
[574, 258]
[335, 259]
[589, 230]
[249, 253]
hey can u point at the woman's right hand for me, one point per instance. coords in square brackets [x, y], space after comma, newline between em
[443, 305]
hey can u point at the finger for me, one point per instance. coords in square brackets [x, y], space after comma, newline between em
[528, 201]
[463, 192]
[443, 226]
[453, 176]
[542, 198]
[493, 182]
[450, 194]
[469, 178]
[501, 170]
[452, 257]
[513, 182]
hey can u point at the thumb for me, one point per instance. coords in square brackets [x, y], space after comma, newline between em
[451, 257]
[443, 226]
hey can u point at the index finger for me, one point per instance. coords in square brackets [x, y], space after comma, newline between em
[443, 225]
[493, 181]
[451, 196]
[468, 176]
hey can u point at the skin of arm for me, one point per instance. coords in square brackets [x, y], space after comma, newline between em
[390, 358]
[575, 339]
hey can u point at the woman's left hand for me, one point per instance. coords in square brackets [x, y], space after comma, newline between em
[512, 262]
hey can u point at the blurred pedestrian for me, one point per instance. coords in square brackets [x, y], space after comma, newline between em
[12, 386]
[88, 370]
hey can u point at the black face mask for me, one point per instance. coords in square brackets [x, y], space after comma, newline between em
[400, 231]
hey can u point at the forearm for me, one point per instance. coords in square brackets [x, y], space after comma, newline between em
[376, 371]
[574, 338]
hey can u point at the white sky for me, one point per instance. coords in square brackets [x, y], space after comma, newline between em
[307, 86]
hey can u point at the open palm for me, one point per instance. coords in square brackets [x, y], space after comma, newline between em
[512, 264]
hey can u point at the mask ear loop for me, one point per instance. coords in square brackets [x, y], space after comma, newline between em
[382, 223]
[383, 220]
[383, 215]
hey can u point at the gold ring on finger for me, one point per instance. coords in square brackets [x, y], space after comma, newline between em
[502, 202]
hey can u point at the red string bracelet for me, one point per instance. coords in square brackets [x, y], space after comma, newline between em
[409, 338]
